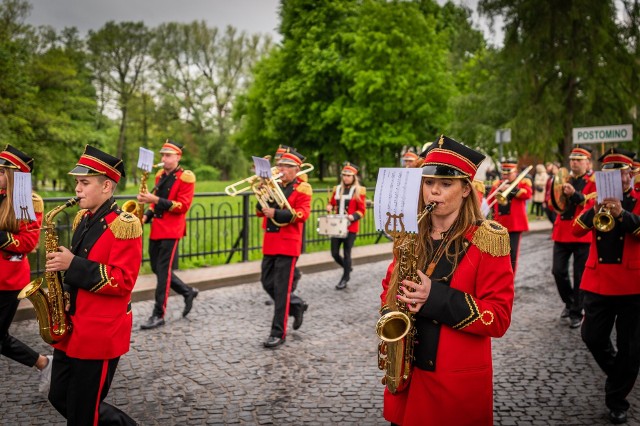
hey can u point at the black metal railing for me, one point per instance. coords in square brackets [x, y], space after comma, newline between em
[220, 229]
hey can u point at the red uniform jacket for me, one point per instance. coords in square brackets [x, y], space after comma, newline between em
[108, 254]
[355, 205]
[287, 240]
[452, 383]
[170, 213]
[585, 186]
[14, 247]
[513, 215]
[613, 266]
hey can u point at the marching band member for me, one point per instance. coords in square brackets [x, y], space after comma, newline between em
[169, 201]
[348, 199]
[101, 268]
[410, 159]
[636, 176]
[577, 191]
[513, 215]
[465, 297]
[17, 238]
[282, 246]
[610, 287]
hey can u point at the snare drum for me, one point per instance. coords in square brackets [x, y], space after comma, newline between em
[333, 225]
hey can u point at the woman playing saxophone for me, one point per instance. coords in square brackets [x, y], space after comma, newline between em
[17, 238]
[463, 298]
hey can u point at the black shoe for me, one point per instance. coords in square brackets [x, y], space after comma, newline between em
[565, 313]
[618, 416]
[152, 322]
[268, 302]
[299, 316]
[188, 301]
[342, 285]
[575, 322]
[273, 342]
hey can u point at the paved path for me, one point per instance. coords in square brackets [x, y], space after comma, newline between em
[211, 368]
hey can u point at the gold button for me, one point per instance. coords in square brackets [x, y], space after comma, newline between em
[85, 250]
[430, 363]
[104, 226]
[435, 322]
[619, 260]
[599, 237]
[621, 238]
[599, 259]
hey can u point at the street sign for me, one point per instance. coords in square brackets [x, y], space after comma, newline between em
[599, 134]
[503, 136]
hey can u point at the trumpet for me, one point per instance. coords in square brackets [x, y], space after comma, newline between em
[501, 197]
[603, 220]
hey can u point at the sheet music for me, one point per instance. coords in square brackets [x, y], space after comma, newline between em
[22, 201]
[262, 166]
[609, 185]
[397, 192]
[145, 159]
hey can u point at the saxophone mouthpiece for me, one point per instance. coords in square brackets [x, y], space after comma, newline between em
[72, 201]
[155, 166]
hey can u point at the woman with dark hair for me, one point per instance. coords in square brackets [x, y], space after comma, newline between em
[464, 297]
[17, 238]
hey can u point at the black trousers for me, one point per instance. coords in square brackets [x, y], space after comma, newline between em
[601, 314]
[570, 295]
[514, 241]
[278, 281]
[10, 346]
[79, 387]
[347, 243]
[164, 259]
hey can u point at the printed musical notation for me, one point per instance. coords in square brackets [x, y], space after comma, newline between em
[22, 201]
[396, 199]
[609, 185]
[263, 167]
[145, 159]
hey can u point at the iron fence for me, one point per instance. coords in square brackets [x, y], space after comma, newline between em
[220, 229]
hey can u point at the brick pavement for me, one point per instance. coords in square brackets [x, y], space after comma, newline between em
[212, 369]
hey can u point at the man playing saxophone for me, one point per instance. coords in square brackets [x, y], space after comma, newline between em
[464, 297]
[101, 267]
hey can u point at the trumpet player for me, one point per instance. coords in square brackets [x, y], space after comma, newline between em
[610, 286]
[282, 246]
[101, 268]
[169, 201]
[513, 214]
[577, 190]
[464, 297]
[17, 238]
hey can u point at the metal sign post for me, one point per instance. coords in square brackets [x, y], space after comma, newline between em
[502, 136]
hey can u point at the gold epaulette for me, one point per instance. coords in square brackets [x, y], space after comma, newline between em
[363, 190]
[305, 188]
[592, 178]
[126, 227]
[590, 195]
[78, 218]
[38, 203]
[492, 238]
[527, 181]
[303, 177]
[478, 185]
[159, 172]
[188, 177]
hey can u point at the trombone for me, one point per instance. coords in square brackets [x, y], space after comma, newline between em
[501, 197]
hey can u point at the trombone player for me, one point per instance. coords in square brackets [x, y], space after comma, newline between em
[513, 213]
[577, 189]
[282, 246]
[610, 286]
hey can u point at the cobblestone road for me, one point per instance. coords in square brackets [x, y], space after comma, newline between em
[211, 368]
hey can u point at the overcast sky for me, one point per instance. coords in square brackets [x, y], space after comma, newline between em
[253, 16]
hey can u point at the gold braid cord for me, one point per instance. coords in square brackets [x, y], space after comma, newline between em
[78, 218]
[126, 227]
[492, 238]
[486, 317]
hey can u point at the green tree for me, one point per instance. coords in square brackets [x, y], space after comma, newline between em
[353, 80]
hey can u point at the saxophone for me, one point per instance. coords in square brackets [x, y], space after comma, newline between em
[396, 328]
[50, 305]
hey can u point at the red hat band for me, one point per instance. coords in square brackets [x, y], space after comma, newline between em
[451, 159]
[349, 170]
[99, 166]
[580, 153]
[168, 148]
[617, 158]
[410, 156]
[15, 160]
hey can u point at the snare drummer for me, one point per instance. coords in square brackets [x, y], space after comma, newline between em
[348, 199]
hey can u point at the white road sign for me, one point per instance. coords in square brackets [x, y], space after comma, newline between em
[599, 134]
